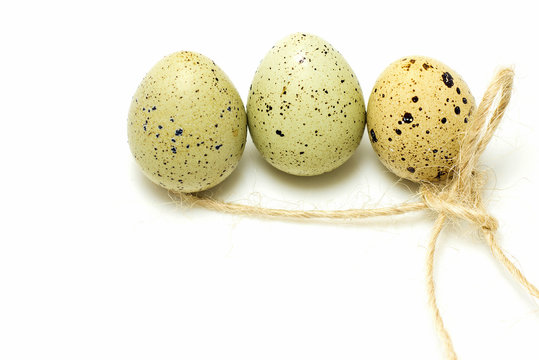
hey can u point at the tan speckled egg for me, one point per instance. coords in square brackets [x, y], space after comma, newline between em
[305, 110]
[417, 114]
[187, 124]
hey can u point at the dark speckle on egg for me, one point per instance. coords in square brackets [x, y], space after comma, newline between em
[373, 136]
[407, 118]
[447, 79]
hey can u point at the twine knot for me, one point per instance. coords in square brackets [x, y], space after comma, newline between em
[450, 202]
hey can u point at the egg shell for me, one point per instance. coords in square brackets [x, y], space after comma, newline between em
[187, 124]
[305, 109]
[417, 115]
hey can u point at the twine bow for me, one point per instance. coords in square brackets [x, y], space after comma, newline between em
[461, 197]
[458, 198]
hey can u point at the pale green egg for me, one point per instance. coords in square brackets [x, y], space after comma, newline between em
[305, 109]
[418, 113]
[187, 124]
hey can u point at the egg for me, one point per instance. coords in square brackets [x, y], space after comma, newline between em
[305, 108]
[417, 115]
[187, 124]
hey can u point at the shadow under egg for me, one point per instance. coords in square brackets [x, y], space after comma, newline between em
[149, 188]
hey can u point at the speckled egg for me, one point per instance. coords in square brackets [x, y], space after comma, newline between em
[187, 125]
[417, 114]
[305, 109]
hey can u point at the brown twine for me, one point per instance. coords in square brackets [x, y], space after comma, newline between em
[458, 198]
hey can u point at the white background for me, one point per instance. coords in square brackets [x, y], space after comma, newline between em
[98, 263]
